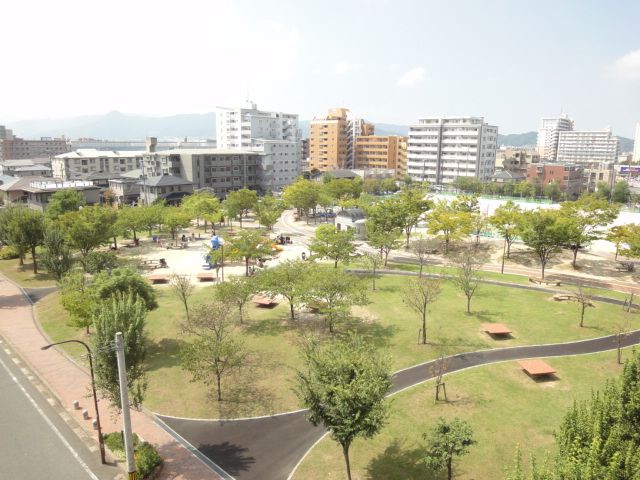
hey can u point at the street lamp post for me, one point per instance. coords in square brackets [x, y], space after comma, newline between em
[93, 386]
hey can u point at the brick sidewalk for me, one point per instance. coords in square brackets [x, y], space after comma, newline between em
[69, 382]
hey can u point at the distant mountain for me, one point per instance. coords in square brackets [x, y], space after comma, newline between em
[529, 139]
[626, 144]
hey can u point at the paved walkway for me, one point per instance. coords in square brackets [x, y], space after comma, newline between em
[69, 382]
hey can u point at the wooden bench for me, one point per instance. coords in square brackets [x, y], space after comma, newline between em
[496, 328]
[540, 281]
[179, 245]
[202, 277]
[158, 278]
[263, 301]
[536, 368]
[568, 296]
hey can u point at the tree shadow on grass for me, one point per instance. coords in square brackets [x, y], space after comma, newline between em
[231, 458]
[400, 461]
[486, 316]
[164, 353]
[271, 326]
[378, 335]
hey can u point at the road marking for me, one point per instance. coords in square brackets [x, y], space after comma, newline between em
[46, 419]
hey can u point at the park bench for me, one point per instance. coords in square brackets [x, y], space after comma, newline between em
[496, 328]
[158, 278]
[263, 301]
[545, 281]
[568, 296]
[536, 368]
[625, 266]
[206, 276]
[179, 245]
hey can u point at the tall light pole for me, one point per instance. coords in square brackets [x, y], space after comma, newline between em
[93, 387]
[124, 403]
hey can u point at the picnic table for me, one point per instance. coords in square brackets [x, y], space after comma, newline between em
[536, 368]
[496, 328]
[625, 266]
[179, 245]
[263, 301]
[158, 278]
[545, 281]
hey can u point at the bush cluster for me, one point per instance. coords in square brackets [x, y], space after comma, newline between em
[146, 456]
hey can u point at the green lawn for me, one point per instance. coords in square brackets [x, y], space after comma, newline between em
[503, 405]
[23, 274]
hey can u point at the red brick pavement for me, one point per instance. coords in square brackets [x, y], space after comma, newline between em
[69, 382]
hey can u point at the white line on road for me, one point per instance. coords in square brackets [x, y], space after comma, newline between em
[53, 427]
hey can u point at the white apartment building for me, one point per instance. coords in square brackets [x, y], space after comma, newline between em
[79, 164]
[275, 134]
[442, 149]
[548, 135]
[636, 145]
[587, 147]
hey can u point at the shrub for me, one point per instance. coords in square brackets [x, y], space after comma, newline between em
[96, 262]
[146, 456]
[8, 253]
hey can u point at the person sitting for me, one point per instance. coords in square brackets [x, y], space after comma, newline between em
[304, 256]
[137, 242]
[163, 263]
[184, 238]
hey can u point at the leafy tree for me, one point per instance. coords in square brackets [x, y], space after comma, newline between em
[621, 192]
[124, 313]
[372, 262]
[216, 352]
[407, 179]
[26, 232]
[286, 280]
[64, 201]
[152, 215]
[603, 190]
[202, 205]
[372, 186]
[335, 292]
[232, 210]
[182, 288]
[96, 262]
[448, 439]
[344, 385]
[418, 294]
[524, 189]
[632, 234]
[468, 267]
[620, 235]
[422, 248]
[337, 245]
[89, 228]
[385, 241]
[544, 231]
[589, 215]
[412, 206]
[132, 220]
[121, 281]
[389, 185]
[244, 198]
[77, 299]
[237, 291]
[448, 223]
[302, 195]
[505, 219]
[248, 245]
[268, 210]
[552, 190]
[338, 189]
[55, 256]
[175, 219]
[583, 297]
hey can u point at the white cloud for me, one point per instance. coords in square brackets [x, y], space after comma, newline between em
[412, 77]
[627, 67]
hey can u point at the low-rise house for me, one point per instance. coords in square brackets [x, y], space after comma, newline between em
[352, 218]
[167, 187]
[39, 192]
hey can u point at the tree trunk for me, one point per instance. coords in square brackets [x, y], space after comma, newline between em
[219, 388]
[575, 255]
[291, 307]
[469, 305]
[345, 451]
[449, 469]
[424, 328]
[35, 263]
[543, 265]
[582, 313]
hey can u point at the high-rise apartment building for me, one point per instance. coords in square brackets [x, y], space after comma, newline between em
[548, 135]
[18, 148]
[587, 147]
[636, 145]
[332, 139]
[381, 152]
[5, 133]
[442, 149]
[275, 134]
[79, 164]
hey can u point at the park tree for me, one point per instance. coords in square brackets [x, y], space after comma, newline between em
[77, 299]
[244, 199]
[372, 186]
[124, 313]
[447, 439]
[202, 205]
[182, 287]
[423, 248]
[131, 220]
[232, 210]
[152, 215]
[418, 294]
[64, 201]
[334, 291]
[338, 189]
[343, 384]
[389, 185]
[26, 229]
[382, 240]
[505, 219]
[372, 262]
[248, 245]
[583, 299]
[544, 231]
[621, 192]
[175, 219]
[286, 280]
[552, 191]
[620, 235]
[238, 292]
[55, 255]
[588, 217]
[467, 272]
[411, 205]
[630, 233]
[216, 351]
[524, 189]
[89, 228]
[302, 195]
[120, 281]
[448, 223]
[337, 245]
[97, 261]
[268, 210]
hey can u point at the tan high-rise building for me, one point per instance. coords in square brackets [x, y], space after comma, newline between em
[376, 152]
[332, 140]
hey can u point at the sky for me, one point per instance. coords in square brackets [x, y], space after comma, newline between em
[512, 62]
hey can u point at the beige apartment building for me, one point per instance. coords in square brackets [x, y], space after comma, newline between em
[382, 152]
[332, 140]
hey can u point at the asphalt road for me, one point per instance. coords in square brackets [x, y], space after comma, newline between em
[36, 442]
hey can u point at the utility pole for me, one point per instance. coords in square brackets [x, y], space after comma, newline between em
[124, 402]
